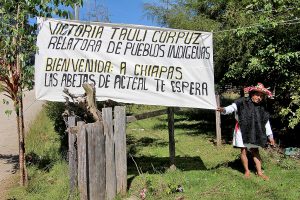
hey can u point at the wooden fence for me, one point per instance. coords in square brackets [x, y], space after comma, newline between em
[97, 152]
[97, 156]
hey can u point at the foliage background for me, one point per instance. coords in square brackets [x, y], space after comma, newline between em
[254, 41]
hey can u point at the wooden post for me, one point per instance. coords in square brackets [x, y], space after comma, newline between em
[120, 148]
[111, 182]
[72, 139]
[171, 135]
[96, 161]
[218, 122]
[76, 11]
[102, 161]
[82, 161]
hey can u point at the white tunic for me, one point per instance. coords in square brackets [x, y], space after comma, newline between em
[237, 134]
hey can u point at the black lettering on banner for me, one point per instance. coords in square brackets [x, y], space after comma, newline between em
[123, 68]
[78, 30]
[171, 37]
[113, 47]
[144, 49]
[176, 37]
[78, 65]
[157, 71]
[188, 52]
[57, 64]
[129, 82]
[52, 42]
[160, 85]
[114, 32]
[103, 81]
[76, 80]
[163, 70]
[129, 34]
[154, 39]
[180, 35]
[191, 88]
[50, 80]
[65, 43]
[49, 64]
[197, 38]
[178, 70]
[88, 44]
[118, 84]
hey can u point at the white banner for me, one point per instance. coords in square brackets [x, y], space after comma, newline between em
[126, 63]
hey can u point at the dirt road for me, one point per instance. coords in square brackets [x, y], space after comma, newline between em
[9, 137]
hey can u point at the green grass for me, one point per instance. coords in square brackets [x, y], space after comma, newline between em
[47, 171]
[203, 170]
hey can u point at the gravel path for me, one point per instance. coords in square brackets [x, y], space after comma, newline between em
[9, 137]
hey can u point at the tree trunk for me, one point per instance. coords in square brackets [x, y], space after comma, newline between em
[23, 171]
[21, 143]
[21, 130]
[16, 105]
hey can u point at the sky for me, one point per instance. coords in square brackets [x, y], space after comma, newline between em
[122, 11]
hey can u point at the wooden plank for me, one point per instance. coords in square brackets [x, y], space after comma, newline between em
[146, 115]
[171, 135]
[96, 161]
[111, 182]
[82, 160]
[120, 148]
[72, 154]
[218, 123]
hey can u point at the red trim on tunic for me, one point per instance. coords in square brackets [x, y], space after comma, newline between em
[237, 126]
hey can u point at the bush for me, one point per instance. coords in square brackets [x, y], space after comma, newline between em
[54, 111]
[158, 185]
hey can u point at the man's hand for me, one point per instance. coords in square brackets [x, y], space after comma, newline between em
[272, 141]
[221, 109]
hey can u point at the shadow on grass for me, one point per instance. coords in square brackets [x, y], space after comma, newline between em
[11, 159]
[198, 127]
[205, 123]
[200, 122]
[155, 165]
[42, 163]
[159, 165]
[134, 145]
[148, 141]
[194, 122]
[237, 164]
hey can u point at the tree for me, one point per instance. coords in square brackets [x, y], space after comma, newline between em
[254, 41]
[270, 53]
[95, 10]
[17, 49]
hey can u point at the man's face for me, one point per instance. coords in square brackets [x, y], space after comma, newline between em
[257, 97]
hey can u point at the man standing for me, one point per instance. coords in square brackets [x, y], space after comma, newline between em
[252, 128]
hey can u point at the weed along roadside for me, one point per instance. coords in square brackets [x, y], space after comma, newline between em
[9, 138]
